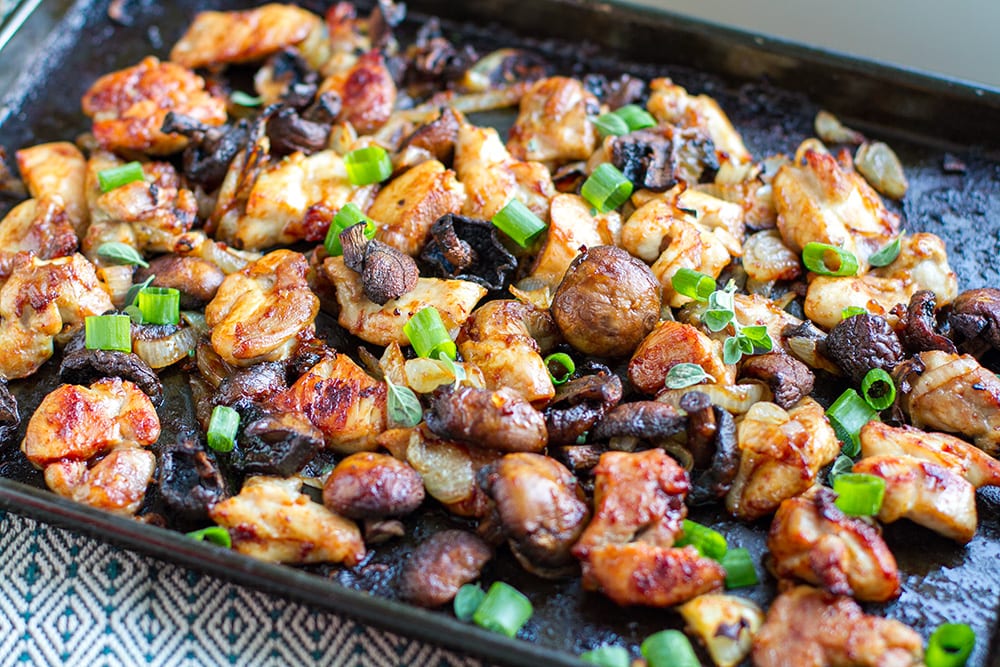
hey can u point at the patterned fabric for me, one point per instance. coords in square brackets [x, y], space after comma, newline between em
[70, 600]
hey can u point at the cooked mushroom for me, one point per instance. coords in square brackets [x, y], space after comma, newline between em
[437, 137]
[579, 404]
[290, 132]
[10, 418]
[975, 319]
[649, 420]
[717, 478]
[788, 378]
[918, 323]
[469, 250]
[440, 565]
[277, 444]
[367, 485]
[607, 302]
[286, 76]
[83, 366]
[255, 384]
[861, 343]
[807, 343]
[499, 419]
[656, 159]
[386, 273]
[541, 510]
[210, 150]
[196, 279]
[626, 89]
[190, 482]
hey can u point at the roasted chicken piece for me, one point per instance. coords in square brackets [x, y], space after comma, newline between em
[382, 325]
[504, 338]
[554, 124]
[221, 38]
[812, 540]
[53, 170]
[672, 343]
[346, 404]
[627, 549]
[492, 177]
[260, 313]
[951, 393]
[806, 627]
[272, 520]
[782, 453]
[128, 106]
[39, 226]
[44, 300]
[409, 204]
[366, 90]
[672, 104]
[116, 483]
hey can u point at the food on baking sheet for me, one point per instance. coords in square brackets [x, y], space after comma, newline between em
[570, 337]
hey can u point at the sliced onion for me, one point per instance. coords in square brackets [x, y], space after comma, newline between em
[767, 413]
[425, 375]
[882, 169]
[445, 468]
[767, 258]
[805, 349]
[117, 280]
[211, 366]
[162, 352]
[196, 321]
[736, 398]
[227, 259]
[726, 624]
[831, 130]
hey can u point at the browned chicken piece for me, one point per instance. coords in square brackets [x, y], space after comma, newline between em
[925, 493]
[673, 343]
[272, 520]
[342, 401]
[128, 106]
[554, 124]
[807, 627]
[821, 200]
[500, 419]
[812, 540]
[57, 169]
[220, 38]
[45, 300]
[39, 226]
[504, 339]
[670, 103]
[366, 90]
[952, 393]
[382, 325]
[440, 565]
[977, 467]
[492, 177]
[149, 215]
[541, 510]
[261, 312]
[117, 483]
[782, 453]
[409, 204]
[367, 485]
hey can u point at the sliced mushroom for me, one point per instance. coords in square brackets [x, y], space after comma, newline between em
[918, 323]
[469, 250]
[255, 384]
[975, 318]
[579, 404]
[196, 279]
[190, 482]
[10, 417]
[210, 150]
[289, 132]
[439, 566]
[717, 478]
[286, 76]
[436, 138]
[788, 378]
[83, 366]
[499, 419]
[649, 420]
[280, 444]
[367, 485]
[861, 343]
[386, 273]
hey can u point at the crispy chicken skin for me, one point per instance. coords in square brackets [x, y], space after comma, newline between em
[382, 325]
[409, 204]
[670, 103]
[554, 124]
[44, 300]
[952, 393]
[367, 92]
[812, 540]
[806, 627]
[219, 38]
[672, 343]
[56, 169]
[502, 339]
[259, 313]
[640, 497]
[128, 106]
[272, 520]
[116, 483]
[782, 453]
[346, 404]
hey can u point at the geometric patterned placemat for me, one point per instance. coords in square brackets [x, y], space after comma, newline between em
[66, 599]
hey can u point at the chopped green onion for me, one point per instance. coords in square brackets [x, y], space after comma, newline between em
[403, 406]
[669, 648]
[108, 332]
[608, 656]
[693, 284]
[739, 568]
[428, 335]
[843, 464]
[851, 311]
[564, 362]
[685, 375]
[847, 415]
[518, 222]
[368, 165]
[607, 188]
[708, 542]
[611, 124]
[115, 177]
[348, 216]
[950, 645]
[160, 305]
[121, 253]
[814, 257]
[878, 389]
[635, 117]
[467, 601]
[214, 534]
[222, 428]
[859, 494]
[239, 98]
[888, 254]
[504, 609]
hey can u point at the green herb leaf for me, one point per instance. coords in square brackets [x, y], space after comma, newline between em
[132, 295]
[121, 253]
[403, 406]
[456, 371]
[242, 99]
[133, 312]
[685, 375]
[731, 352]
[851, 311]
[888, 254]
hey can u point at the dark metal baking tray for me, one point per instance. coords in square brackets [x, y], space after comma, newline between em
[771, 90]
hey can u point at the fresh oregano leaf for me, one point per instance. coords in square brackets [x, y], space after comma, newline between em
[685, 375]
[132, 295]
[888, 254]
[403, 406]
[121, 253]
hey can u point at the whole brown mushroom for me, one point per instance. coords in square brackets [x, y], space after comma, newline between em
[367, 485]
[607, 302]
